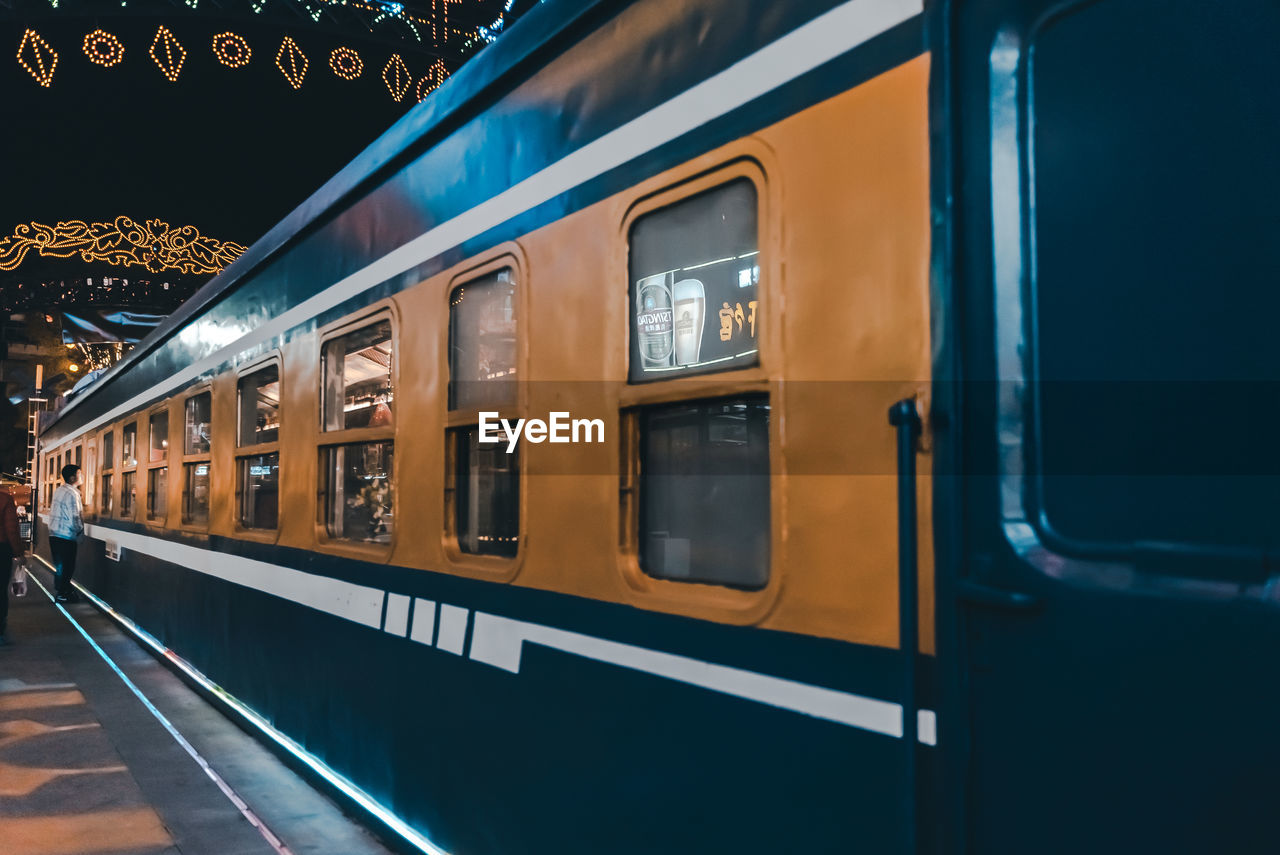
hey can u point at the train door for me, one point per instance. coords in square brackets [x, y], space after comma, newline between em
[1114, 604]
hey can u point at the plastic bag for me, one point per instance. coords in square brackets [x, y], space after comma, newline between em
[18, 583]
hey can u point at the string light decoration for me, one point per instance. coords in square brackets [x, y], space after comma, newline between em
[231, 50]
[346, 63]
[103, 48]
[168, 54]
[155, 245]
[432, 79]
[38, 57]
[397, 77]
[438, 22]
[292, 62]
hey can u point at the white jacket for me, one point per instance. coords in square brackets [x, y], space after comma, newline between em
[65, 517]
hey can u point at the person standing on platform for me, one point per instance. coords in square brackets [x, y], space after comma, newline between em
[65, 527]
[11, 547]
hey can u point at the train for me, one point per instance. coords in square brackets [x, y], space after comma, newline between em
[923, 500]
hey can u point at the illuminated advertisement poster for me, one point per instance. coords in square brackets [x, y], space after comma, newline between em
[695, 277]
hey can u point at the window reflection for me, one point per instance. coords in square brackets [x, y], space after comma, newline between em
[159, 436]
[482, 342]
[195, 493]
[259, 491]
[357, 378]
[157, 492]
[704, 491]
[358, 493]
[486, 496]
[259, 402]
[196, 423]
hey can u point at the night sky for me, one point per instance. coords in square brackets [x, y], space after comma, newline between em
[230, 151]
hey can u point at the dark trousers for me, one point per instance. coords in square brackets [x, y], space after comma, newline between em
[6, 562]
[64, 560]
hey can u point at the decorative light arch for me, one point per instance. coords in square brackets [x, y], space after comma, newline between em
[154, 244]
[39, 58]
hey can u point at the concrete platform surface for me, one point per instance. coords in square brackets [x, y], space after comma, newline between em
[87, 769]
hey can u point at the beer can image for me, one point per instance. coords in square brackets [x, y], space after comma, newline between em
[654, 330]
[689, 303]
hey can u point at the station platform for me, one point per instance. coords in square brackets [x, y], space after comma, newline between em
[103, 749]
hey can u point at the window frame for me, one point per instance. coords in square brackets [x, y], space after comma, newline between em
[184, 459]
[158, 521]
[241, 453]
[89, 473]
[383, 310]
[752, 161]
[498, 568]
[127, 468]
[106, 467]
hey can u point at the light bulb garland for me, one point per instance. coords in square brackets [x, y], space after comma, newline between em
[38, 57]
[103, 48]
[292, 62]
[155, 245]
[346, 63]
[395, 74]
[432, 79]
[167, 53]
[231, 50]
[40, 60]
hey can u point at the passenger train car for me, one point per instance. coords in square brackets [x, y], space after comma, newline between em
[744, 611]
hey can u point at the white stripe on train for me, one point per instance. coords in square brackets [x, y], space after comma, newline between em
[499, 641]
[824, 38]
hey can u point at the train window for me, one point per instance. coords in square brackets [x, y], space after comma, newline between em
[157, 491]
[1153, 282]
[482, 482]
[129, 445]
[695, 276]
[108, 455]
[79, 452]
[704, 491]
[128, 492]
[196, 418]
[195, 492]
[259, 401]
[357, 378]
[482, 342]
[484, 491]
[259, 489]
[159, 436]
[89, 474]
[258, 475]
[359, 501]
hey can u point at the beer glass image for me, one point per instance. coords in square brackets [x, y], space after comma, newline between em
[653, 321]
[690, 301]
